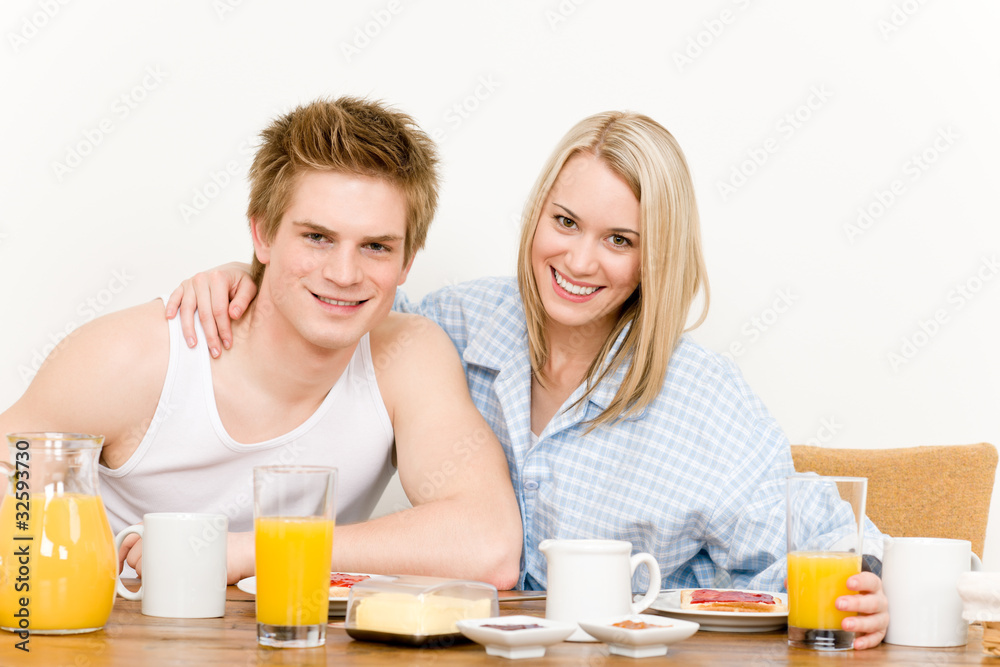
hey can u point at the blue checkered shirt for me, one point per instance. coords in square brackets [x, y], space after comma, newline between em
[697, 478]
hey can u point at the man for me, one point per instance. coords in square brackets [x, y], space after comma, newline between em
[342, 193]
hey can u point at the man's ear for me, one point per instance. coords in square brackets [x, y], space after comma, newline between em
[261, 248]
[406, 271]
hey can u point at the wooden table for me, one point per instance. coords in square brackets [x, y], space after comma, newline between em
[133, 640]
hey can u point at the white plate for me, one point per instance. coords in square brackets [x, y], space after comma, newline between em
[525, 643]
[669, 602]
[338, 606]
[645, 643]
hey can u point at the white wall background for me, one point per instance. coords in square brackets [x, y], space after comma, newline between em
[120, 120]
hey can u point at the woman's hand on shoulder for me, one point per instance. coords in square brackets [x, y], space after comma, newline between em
[219, 295]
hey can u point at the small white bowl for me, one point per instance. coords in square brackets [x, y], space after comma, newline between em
[644, 643]
[527, 643]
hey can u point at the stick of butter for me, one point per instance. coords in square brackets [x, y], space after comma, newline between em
[404, 614]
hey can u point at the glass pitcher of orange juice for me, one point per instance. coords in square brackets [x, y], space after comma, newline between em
[57, 556]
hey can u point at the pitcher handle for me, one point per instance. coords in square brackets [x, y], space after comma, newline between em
[119, 586]
[654, 580]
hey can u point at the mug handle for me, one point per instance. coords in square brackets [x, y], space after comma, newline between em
[977, 565]
[119, 586]
[654, 580]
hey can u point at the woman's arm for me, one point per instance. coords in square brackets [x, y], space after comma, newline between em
[757, 533]
[224, 293]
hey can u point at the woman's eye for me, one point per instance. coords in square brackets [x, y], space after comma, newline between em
[620, 241]
[563, 221]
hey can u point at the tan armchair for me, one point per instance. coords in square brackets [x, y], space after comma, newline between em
[917, 491]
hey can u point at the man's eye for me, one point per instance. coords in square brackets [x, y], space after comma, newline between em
[315, 236]
[378, 247]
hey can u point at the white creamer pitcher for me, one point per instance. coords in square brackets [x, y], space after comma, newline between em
[591, 580]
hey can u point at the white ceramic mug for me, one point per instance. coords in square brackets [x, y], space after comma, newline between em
[920, 579]
[183, 564]
[591, 580]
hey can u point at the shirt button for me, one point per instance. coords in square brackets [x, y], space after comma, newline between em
[531, 485]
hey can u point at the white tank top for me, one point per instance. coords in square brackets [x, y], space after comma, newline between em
[187, 462]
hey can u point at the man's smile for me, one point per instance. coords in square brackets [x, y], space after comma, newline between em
[337, 302]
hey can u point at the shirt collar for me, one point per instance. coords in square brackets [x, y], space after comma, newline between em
[606, 389]
[503, 339]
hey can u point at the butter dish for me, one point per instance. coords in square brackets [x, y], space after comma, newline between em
[416, 611]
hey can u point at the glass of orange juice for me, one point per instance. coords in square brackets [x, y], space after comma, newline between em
[826, 518]
[293, 532]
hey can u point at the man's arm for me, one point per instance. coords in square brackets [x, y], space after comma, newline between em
[465, 521]
[104, 379]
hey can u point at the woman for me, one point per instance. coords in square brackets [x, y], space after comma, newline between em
[615, 425]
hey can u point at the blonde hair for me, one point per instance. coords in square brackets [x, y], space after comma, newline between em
[672, 270]
[349, 135]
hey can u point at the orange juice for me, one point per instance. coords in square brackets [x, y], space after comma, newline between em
[815, 580]
[71, 564]
[293, 570]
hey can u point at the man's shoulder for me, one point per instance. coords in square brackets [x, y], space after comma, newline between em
[406, 335]
[411, 353]
[102, 376]
[124, 337]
